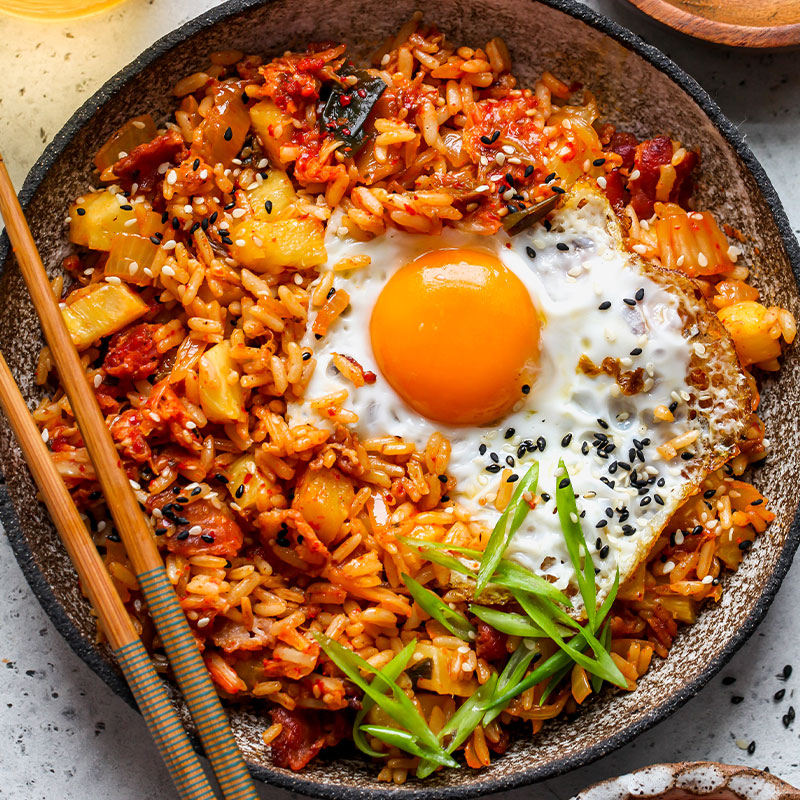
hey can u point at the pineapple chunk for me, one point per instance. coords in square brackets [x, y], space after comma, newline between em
[440, 680]
[97, 219]
[275, 246]
[277, 189]
[101, 312]
[324, 497]
[246, 489]
[221, 397]
[273, 127]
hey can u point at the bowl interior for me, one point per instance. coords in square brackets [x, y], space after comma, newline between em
[632, 92]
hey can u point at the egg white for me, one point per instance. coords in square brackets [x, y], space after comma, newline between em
[565, 409]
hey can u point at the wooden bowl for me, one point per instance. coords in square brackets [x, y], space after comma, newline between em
[637, 87]
[692, 779]
[736, 23]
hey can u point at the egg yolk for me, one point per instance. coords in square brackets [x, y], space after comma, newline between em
[456, 335]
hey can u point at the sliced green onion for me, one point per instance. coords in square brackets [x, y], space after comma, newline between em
[576, 543]
[605, 640]
[458, 728]
[508, 622]
[512, 674]
[397, 706]
[432, 604]
[506, 527]
[408, 742]
[391, 672]
[511, 575]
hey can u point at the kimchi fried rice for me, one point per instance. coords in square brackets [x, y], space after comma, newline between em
[190, 292]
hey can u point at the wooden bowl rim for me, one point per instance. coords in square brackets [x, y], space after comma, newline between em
[725, 33]
[478, 787]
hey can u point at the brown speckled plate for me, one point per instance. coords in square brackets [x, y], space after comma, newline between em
[637, 87]
[692, 780]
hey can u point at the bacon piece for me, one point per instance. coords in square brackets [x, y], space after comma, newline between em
[303, 734]
[624, 145]
[141, 164]
[132, 353]
[490, 644]
[218, 534]
[650, 156]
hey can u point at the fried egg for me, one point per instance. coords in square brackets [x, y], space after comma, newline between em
[558, 343]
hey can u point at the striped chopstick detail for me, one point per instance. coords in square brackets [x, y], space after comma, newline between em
[169, 735]
[196, 686]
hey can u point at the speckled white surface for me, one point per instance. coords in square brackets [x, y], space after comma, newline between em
[64, 734]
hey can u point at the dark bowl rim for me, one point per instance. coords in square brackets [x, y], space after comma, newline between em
[295, 782]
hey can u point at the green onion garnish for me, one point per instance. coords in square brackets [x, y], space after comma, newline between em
[512, 674]
[508, 622]
[506, 527]
[432, 604]
[408, 742]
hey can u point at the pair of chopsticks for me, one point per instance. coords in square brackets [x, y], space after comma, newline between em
[176, 636]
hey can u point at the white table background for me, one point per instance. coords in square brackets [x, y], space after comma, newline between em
[64, 734]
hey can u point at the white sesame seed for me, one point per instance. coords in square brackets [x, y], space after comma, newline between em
[45, 435]
[626, 361]
[137, 123]
[147, 271]
[191, 425]
[699, 349]
[202, 622]
[641, 249]
[172, 177]
[129, 223]
[500, 158]
[242, 242]
[385, 60]
[101, 526]
[679, 537]
[702, 260]
[484, 161]
[253, 185]
[238, 212]
[507, 195]
[195, 530]
[168, 271]
[482, 188]
[158, 513]
[708, 579]
[734, 253]
[508, 149]
[668, 567]
[113, 279]
[615, 391]
[635, 175]
[155, 417]
[97, 380]
[170, 245]
[134, 485]
[680, 259]
[602, 182]
[132, 267]
[644, 224]
[575, 271]
[514, 160]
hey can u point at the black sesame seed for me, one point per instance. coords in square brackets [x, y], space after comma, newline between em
[545, 497]
[687, 456]
[195, 226]
[230, 205]
[442, 478]
[182, 535]
[757, 502]
[317, 336]
[602, 423]
[566, 440]
[81, 211]
[547, 224]
[331, 293]
[531, 252]
[628, 530]
[510, 179]
[526, 389]
[779, 695]
[306, 356]
[728, 680]
[598, 162]
[629, 301]
[493, 468]
[155, 240]
[239, 491]
[482, 449]
[182, 500]
[624, 465]
[639, 294]
[558, 190]
[563, 483]
[164, 217]
[494, 457]
[541, 443]
[605, 551]
[672, 406]
[509, 433]
[510, 461]
[612, 468]
[659, 499]
[95, 495]
[268, 206]
[661, 482]
[598, 543]
[160, 531]
[697, 530]
[221, 478]
[787, 672]
[126, 207]
[529, 170]
[445, 498]
[736, 699]
[745, 545]
[637, 351]
[645, 501]
[196, 164]
[204, 224]
[751, 748]
[176, 223]
[486, 140]
[213, 218]
[709, 493]
[512, 478]
[605, 305]
[228, 135]
[562, 246]
[550, 177]
[602, 523]
[585, 448]
[113, 536]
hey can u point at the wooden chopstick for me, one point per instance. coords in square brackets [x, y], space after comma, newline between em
[168, 617]
[151, 695]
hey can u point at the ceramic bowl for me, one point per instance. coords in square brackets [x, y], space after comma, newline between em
[692, 780]
[638, 88]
